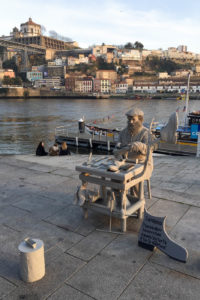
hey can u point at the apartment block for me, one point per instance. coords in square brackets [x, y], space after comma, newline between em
[34, 75]
[106, 74]
[121, 87]
[83, 85]
[48, 82]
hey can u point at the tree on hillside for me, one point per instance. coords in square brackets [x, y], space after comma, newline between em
[10, 64]
[2, 49]
[128, 46]
[103, 65]
[12, 81]
[164, 65]
[17, 81]
[123, 69]
[137, 45]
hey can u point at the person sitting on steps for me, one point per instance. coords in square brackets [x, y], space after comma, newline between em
[64, 149]
[40, 151]
[54, 150]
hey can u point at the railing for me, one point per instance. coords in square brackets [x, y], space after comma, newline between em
[64, 131]
[61, 131]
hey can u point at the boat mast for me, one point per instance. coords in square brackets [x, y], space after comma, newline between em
[187, 99]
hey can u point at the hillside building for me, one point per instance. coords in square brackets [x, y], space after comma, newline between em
[102, 50]
[102, 86]
[70, 83]
[121, 87]
[48, 82]
[106, 74]
[56, 71]
[30, 33]
[84, 85]
[182, 48]
[163, 75]
[6, 73]
[34, 75]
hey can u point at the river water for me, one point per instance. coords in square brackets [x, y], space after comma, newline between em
[25, 122]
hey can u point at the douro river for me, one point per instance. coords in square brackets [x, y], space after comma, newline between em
[25, 122]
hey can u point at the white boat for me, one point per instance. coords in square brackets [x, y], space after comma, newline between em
[187, 134]
[97, 130]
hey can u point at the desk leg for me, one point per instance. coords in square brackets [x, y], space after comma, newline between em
[141, 197]
[85, 212]
[103, 192]
[84, 207]
[123, 211]
[123, 224]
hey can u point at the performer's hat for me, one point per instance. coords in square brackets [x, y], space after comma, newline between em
[135, 112]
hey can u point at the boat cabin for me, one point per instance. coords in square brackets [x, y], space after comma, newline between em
[194, 118]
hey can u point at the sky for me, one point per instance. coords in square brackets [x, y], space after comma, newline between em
[155, 23]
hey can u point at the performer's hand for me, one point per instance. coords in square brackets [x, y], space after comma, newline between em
[138, 147]
[122, 151]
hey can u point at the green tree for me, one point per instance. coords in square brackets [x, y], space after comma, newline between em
[11, 64]
[128, 46]
[12, 81]
[137, 45]
[123, 69]
[163, 65]
[6, 80]
[103, 65]
[2, 49]
[17, 81]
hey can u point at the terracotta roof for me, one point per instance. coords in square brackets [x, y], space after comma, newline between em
[30, 22]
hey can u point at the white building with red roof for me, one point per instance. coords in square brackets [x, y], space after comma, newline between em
[30, 28]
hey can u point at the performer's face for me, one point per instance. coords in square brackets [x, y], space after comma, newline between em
[132, 120]
[134, 123]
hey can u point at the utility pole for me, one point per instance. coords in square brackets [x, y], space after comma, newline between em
[187, 99]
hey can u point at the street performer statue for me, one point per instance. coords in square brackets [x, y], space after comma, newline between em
[136, 141]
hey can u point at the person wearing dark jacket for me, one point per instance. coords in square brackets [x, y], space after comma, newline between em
[40, 151]
[64, 150]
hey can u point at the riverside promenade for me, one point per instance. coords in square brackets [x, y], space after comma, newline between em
[36, 200]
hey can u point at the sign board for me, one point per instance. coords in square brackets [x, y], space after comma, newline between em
[152, 234]
[195, 130]
[198, 146]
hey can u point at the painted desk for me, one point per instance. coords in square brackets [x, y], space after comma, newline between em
[120, 182]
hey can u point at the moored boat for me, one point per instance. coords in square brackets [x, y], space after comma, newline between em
[97, 130]
[187, 136]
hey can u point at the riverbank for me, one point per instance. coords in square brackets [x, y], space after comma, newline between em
[81, 263]
[42, 93]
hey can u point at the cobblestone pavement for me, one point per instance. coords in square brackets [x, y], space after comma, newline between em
[36, 200]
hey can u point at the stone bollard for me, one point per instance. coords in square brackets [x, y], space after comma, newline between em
[32, 263]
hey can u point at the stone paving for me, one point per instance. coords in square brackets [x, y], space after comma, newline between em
[36, 200]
